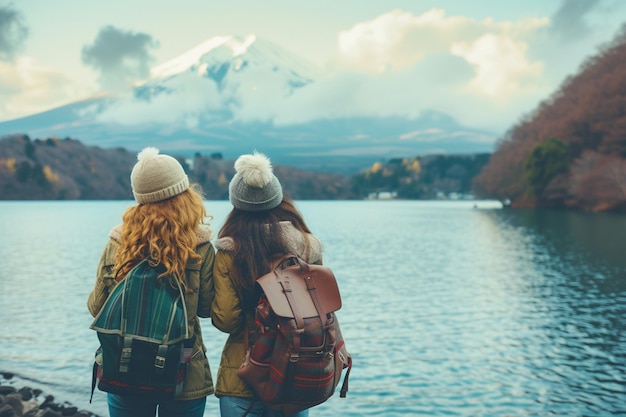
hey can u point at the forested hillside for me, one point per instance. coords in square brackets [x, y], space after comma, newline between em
[54, 169]
[422, 177]
[66, 169]
[570, 151]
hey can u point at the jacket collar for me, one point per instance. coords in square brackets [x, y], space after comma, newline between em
[204, 234]
[308, 248]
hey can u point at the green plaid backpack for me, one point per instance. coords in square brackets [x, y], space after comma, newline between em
[143, 333]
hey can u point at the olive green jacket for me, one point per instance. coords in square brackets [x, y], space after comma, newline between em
[198, 382]
[227, 314]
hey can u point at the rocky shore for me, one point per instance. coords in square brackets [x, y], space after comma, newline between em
[32, 402]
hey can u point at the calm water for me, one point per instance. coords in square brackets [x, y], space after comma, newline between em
[448, 310]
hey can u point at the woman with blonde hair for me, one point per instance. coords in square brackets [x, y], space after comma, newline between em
[168, 227]
[262, 226]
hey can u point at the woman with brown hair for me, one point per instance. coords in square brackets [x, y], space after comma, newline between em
[262, 226]
[168, 227]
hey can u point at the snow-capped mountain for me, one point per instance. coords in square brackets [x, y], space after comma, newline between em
[216, 56]
[227, 95]
[238, 67]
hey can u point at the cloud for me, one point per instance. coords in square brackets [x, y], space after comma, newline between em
[399, 39]
[13, 32]
[121, 57]
[484, 73]
[189, 99]
[481, 72]
[501, 64]
[568, 23]
[27, 87]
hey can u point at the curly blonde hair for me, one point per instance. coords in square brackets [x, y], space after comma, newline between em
[165, 232]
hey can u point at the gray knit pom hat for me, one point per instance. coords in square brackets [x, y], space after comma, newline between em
[254, 186]
[157, 177]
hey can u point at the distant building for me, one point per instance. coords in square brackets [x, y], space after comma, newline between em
[382, 195]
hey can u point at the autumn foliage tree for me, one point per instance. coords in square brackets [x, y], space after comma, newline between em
[66, 169]
[420, 177]
[588, 114]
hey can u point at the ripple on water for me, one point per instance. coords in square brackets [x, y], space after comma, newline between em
[448, 311]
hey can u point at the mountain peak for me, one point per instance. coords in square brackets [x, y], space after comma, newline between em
[235, 49]
[237, 45]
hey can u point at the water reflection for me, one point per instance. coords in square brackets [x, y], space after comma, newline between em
[576, 289]
[448, 310]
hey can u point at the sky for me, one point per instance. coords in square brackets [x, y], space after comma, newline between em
[485, 62]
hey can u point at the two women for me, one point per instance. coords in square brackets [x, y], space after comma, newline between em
[167, 225]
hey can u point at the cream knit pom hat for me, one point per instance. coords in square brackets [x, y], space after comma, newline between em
[157, 177]
[254, 186]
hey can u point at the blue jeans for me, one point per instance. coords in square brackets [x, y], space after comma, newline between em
[129, 406]
[237, 406]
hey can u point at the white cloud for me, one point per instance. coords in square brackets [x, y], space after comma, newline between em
[191, 98]
[255, 93]
[480, 71]
[486, 73]
[502, 67]
[420, 134]
[399, 39]
[26, 87]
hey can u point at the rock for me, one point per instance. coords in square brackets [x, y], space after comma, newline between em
[26, 393]
[23, 402]
[7, 389]
[7, 411]
[30, 405]
[15, 401]
[68, 410]
[50, 413]
[49, 403]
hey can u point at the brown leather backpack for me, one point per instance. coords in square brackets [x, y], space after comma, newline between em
[298, 357]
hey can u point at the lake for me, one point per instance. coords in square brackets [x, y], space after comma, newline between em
[449, 308]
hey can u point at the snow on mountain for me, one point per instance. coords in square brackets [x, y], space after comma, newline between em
[188, 59]
[219, 51]
[225, 77]
[225, 94]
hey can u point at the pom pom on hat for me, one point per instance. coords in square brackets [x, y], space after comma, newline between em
[254, 186]
[147, 153]
[156, 177]
[255, 170]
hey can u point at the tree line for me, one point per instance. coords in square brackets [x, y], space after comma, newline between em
[66, 169]
[571, 150]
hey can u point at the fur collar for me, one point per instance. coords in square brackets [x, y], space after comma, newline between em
[308, 248]
[204, 234]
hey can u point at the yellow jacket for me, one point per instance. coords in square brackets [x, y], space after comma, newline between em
[227, 314]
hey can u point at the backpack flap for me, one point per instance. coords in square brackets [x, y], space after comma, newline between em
[297, 359]
[298, 276]
[145, 308]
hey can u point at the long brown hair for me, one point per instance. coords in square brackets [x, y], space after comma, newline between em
[258, 241]
[164, 232]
